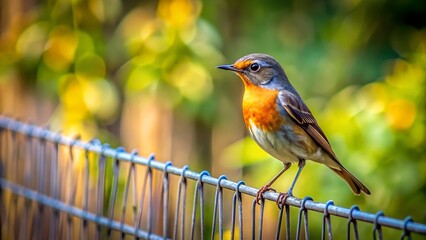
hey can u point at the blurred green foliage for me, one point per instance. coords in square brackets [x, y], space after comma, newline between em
[104, 68]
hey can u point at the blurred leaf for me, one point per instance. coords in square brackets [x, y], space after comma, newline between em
[244, 152]
[90, 66]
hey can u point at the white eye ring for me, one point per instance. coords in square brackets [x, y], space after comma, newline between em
[254, 67]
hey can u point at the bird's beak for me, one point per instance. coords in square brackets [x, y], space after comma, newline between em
[229, 67]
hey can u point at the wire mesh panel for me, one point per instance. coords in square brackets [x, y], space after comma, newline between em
[56, 187]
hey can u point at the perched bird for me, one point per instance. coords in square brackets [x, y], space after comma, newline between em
[281, 123]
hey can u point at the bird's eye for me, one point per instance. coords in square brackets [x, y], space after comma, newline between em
[254, 67]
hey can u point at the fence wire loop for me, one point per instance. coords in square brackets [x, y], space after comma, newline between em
[71, 191]
[218, 203]
[303, 203]
[104, 147]
[118, 151]
[377, 230]
[165, 195]
[199, 189]
[237, 189]
[184, 169]
[93, 142]
[133, 154]
[253, 215]
[235, 198]
[58, 136]
[74, 140]
[43, 133]
[167, 165]
[180, 191]
[11, 124]
[55, 184]
[113, 195]
[219, 180]
[150, 159]
[352, 221]
[405, 232]
[261, 217]
[101, 185]
[130, 173]
[326, 221]
[303, 214]
[202, 174]
[149, 176]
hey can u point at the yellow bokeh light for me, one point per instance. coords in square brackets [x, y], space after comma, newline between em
[72, 98]
[179, 13]
[192, 80]
[101, 98]
[405, 73]
[60, 49]
[401, 114]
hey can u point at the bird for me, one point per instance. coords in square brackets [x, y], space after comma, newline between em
[281, 123]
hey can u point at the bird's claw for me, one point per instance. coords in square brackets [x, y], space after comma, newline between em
[282, 197]
[259, 195]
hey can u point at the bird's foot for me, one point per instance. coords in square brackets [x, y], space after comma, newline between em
[282, 197]
[259, 195]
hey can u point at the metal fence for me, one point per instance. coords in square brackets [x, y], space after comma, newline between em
[56, 187]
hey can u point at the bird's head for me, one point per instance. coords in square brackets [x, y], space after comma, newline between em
[259, 70]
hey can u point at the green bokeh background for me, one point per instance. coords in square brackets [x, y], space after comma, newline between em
[142, 75]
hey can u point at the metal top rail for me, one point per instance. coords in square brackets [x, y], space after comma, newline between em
[353, 214]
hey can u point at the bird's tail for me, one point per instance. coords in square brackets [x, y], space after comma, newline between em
[356, 185]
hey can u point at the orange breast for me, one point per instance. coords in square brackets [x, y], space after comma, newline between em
[260, 108]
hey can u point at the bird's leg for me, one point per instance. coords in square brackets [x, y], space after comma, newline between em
[283, 196]
[301, 165]
[268, 185]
